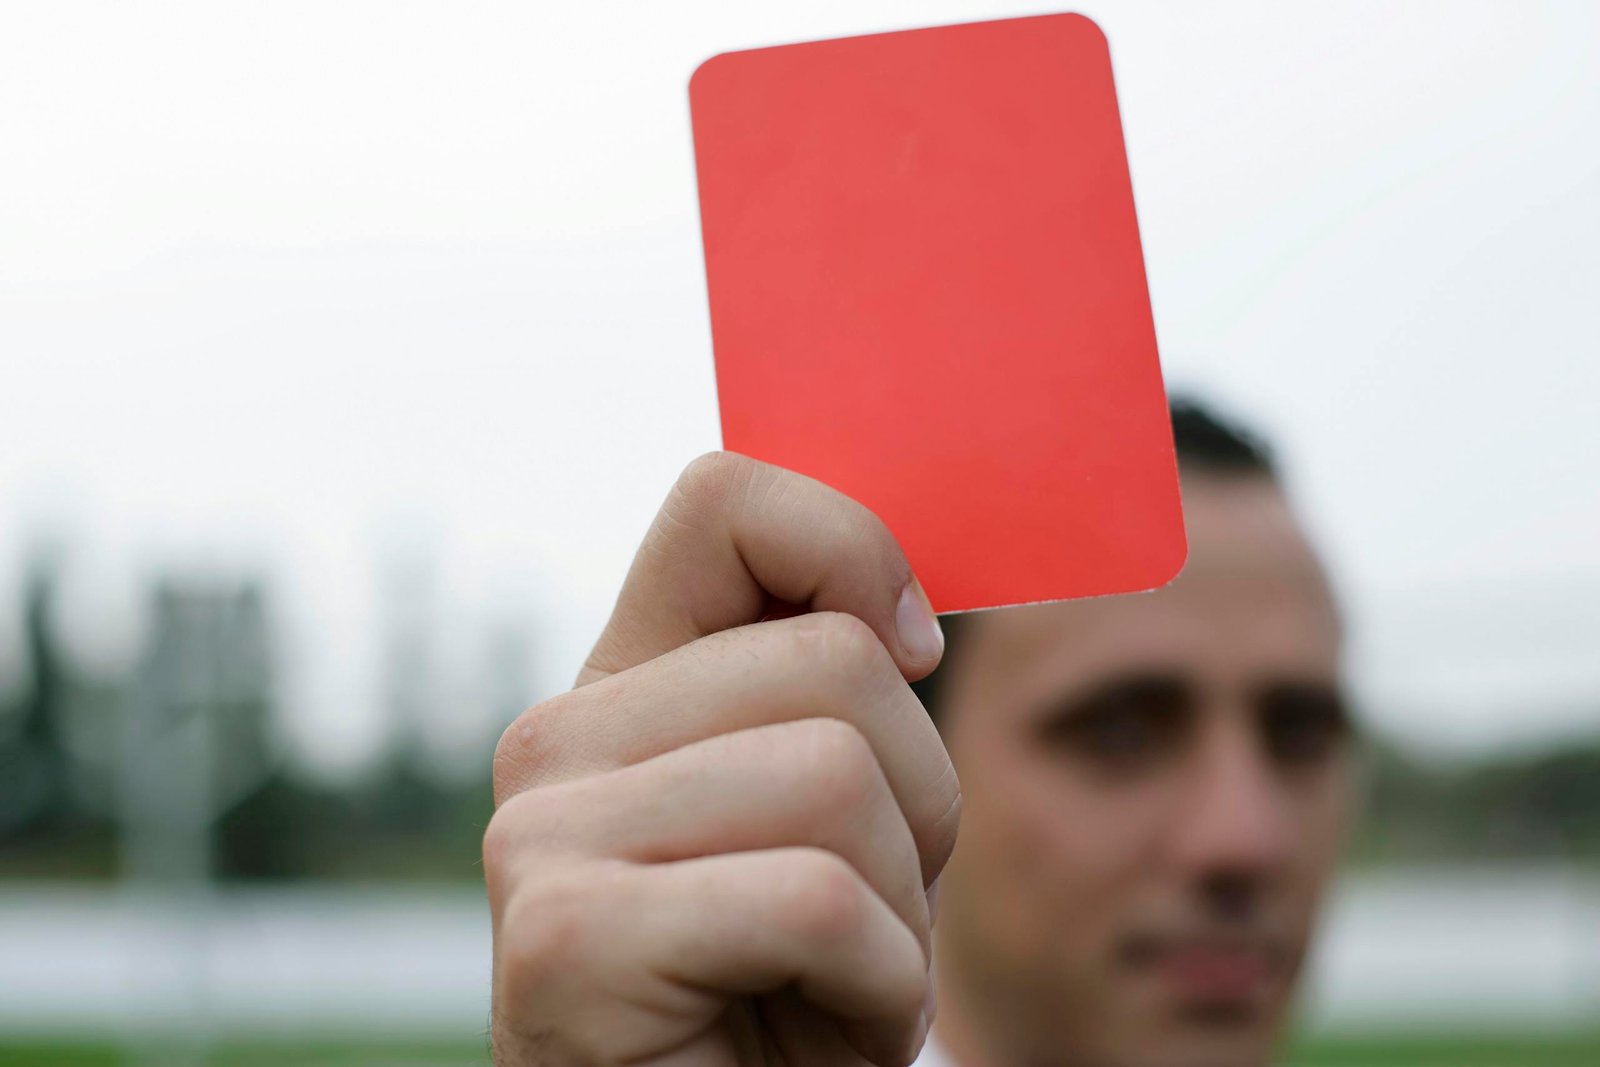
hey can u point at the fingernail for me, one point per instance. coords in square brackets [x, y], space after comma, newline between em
[933, 902]
[930, 1002]
[917, 625]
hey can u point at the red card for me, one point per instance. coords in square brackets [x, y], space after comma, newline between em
[927, 291]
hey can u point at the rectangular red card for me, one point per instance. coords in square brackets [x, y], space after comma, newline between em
[927, 291]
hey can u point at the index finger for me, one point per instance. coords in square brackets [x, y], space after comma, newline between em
[734, 535]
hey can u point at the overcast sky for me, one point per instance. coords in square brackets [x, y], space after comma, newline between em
[312, 289]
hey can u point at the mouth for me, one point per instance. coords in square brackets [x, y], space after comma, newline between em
[1212, 972]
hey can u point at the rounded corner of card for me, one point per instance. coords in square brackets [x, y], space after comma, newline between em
[1080, 23]
[703, 70]
[1174, 558]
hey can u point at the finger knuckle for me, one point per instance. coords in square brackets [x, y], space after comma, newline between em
[838, 765]
[826, 899]
[541, 934]
[841, 645]
[500, 846]
[710, 480]
[526, 824]
[905, 975]
[908, 980]
[528, 748]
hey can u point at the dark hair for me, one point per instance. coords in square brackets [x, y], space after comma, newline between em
[1203, 441]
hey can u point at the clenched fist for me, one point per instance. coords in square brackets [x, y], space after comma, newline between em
[715, 850]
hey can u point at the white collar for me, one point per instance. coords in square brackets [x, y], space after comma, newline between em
[934, 1055]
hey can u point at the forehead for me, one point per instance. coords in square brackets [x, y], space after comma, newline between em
[1252, 598]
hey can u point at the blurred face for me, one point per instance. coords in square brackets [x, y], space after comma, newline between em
[1156, 788]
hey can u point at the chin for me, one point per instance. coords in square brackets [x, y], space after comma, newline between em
[1159, 1029]
[1217, 1034]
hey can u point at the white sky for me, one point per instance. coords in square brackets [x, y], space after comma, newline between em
[306, 288]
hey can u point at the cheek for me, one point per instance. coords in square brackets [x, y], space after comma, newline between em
[1322, 817]
[1327, 811]
[1068, 856]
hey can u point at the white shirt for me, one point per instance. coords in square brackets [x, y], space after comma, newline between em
[934, 1055]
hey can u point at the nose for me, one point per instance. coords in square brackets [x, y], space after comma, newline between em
[1234, 832]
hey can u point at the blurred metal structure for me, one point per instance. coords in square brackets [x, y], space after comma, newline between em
[193, 742]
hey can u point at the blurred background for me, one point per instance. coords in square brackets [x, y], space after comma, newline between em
[346, 350]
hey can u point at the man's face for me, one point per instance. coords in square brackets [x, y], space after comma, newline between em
[1156, 788]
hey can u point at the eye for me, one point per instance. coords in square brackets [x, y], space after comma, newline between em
[1304, 724]
[1122, 726]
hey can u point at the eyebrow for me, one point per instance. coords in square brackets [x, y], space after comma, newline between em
[1153, 684]
[1331, 696]
[1176, 687]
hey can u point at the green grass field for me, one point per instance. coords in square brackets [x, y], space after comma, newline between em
[1570, 1050]
[1574, 1050]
